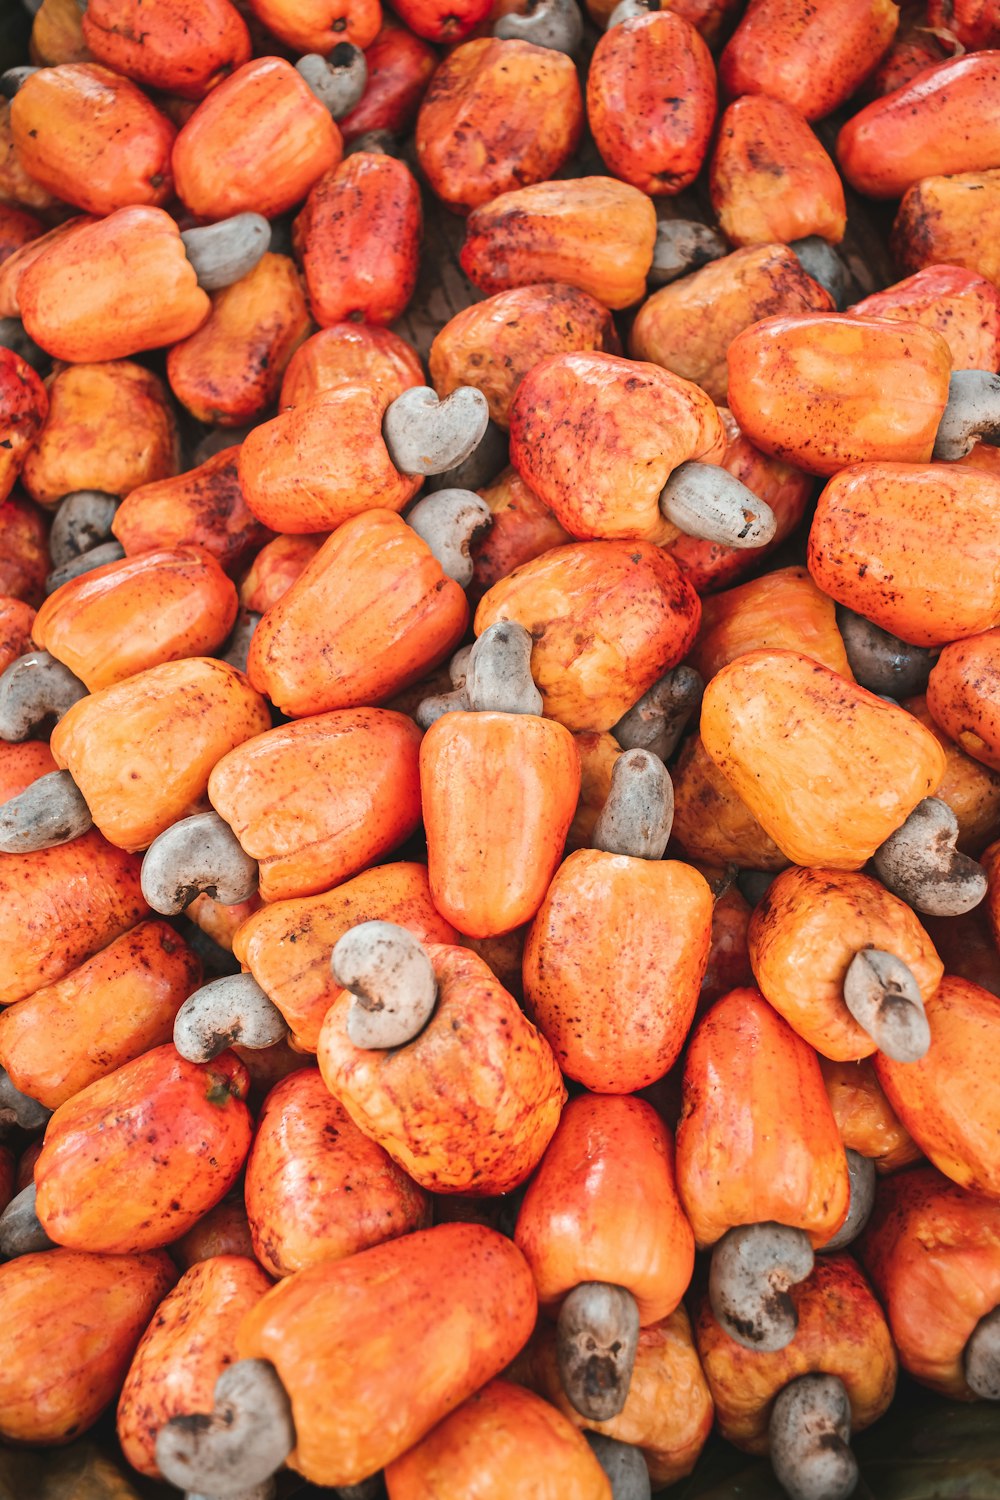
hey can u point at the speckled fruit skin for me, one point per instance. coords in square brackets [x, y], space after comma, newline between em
[504, 1439]
[852, 773]
[317, 1188]
[169, 1134]
[70, 1324]
[907, 546]
[841, 1331]
[317, 800]
[287, 944]
[961, 305]
[603, 1206]
[470, 1104]
[613, 965]
[804, 934]
[947, 1100]
[651, 98]
[962, 695]
[743, 1157]
[597, 437]
[608, 619]
[459, 1299]
[932, 1251]
[184, 1350]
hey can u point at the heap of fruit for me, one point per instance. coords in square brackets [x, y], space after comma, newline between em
[499, 839]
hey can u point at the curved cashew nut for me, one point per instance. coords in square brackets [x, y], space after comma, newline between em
[920, 864]
[51, 811]
[427, 436]
[227, 251]
[881, 662]
[34, 689]
[338, 80]
[498, 675]
[752, 1268]
[556, 24]
[972, 413]
[705, 500]
[638, 815]
[657, 721]
[392, 980]
[883, 996]
[199, 855]
[597, 1337]
[82, 522]
[861, 1171]
[248, 1435]
[233, 1010]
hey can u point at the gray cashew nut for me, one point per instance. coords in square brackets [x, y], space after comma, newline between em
[883, 996]
[241, 1443]
[426, 436]
[82, 522]
[752, 1268]
[657, 721]
[338, 80]
[972, 414]
[231, 1011]
[882, 662]
[34, 690]
[85, 562]
[227, 251]
[638, 815]
[51, 811]
[498, 675]
[809, 1435]
[199, 855]
[450, 521]
[597, 1338]
[556, 24]
[388, 972]
[861, 1172]
[21, 1232]
[681, 245]
[920, 864]
[706, 501]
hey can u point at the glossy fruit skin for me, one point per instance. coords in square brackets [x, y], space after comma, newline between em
[783, 609]
[504, 1441]
[22, 764]
[950, 220]
[470, 1104]
[372, 613]
[594, 233]
[351, 354]
[636, 615]
[813, 922]
[811, 58]
[498, 115]
[17, 229]
[78, 306]
[494, 344]
[459, 1298]
[864, 1116]
[184, 1350]
[111, 1009]
[24, 562]
[97, 624]
[438, 21]
[318, 25]
[941, 123]
[962, 695]
[317, 800]
[110, 427]
[857, 768]
[613, 966]
[522, 529]
[711, 822]
[826, 391]
[202, 508]
[17, 262]
[71, 1322]
[287, 944]
[230, 370]
[275, 568]
[295, 480]
[906, 546]
[400, 67]
[184, 47]
[141, 751]
[24, 406]
[687, 327]
[499, 792]
[597, 436]
[60, 905]
[932, 1251]
[947, 1100]
[668, 1410]
[603, 1206]
[961, 305]
[770, 179]
[222, 1231]
[784, 1160]
[92, 138]
[318, 1189]
[651, 100]
[256, 144]
[970, 789]
[16, 185]
[16, 620]
[358, 238]
[841, 1331]
[177, 1133]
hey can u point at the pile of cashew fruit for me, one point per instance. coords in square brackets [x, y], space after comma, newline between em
[499, 737]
